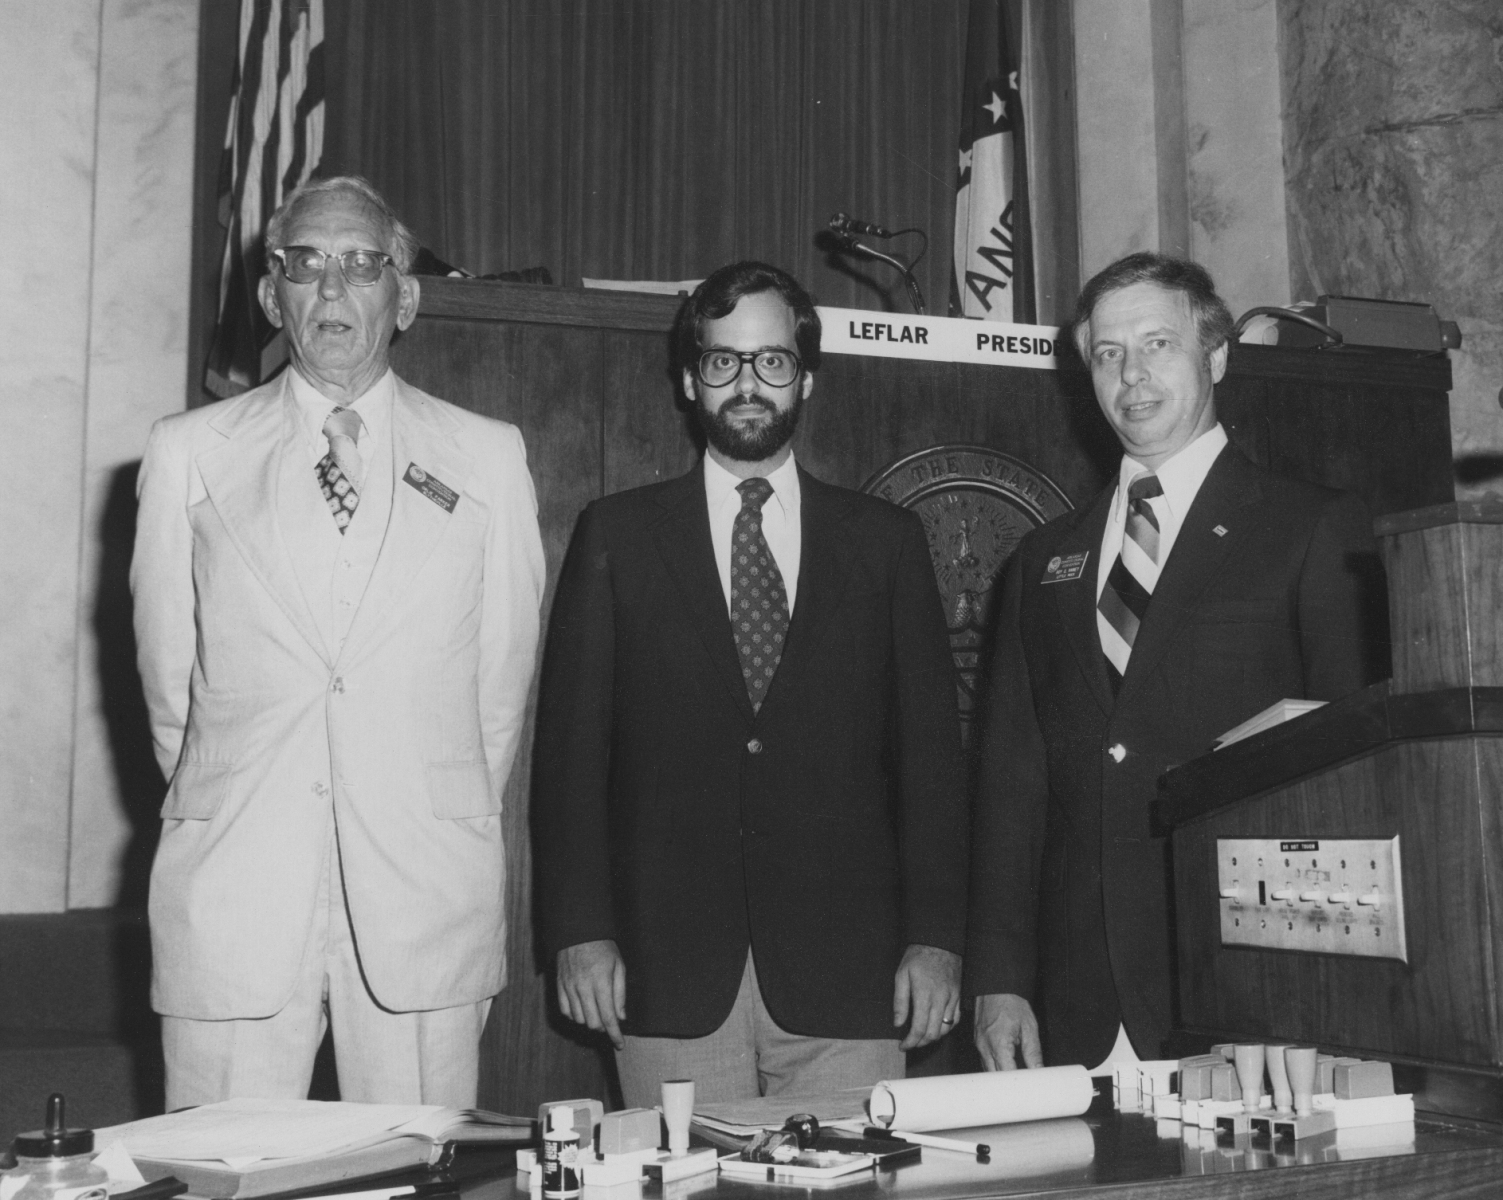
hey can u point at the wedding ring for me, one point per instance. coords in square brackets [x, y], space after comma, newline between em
[947, 1020]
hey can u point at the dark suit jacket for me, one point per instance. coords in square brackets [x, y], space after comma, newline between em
[827, 832]
[1272, 590]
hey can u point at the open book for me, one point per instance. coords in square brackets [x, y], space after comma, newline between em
[244, 1148]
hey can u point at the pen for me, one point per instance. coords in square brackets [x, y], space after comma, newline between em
[161, 1189]
[981, 1150]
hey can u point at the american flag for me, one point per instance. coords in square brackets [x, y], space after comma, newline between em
[993, 277]
[273, 142]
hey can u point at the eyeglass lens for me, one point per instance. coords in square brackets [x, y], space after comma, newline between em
[304, 264]
[775, 368]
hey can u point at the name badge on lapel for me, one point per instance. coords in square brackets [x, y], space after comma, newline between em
[431, 486]
[1066, 567]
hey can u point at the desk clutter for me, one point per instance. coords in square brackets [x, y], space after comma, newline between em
[1238, 1108]
[796, 1140]
[241, 1149]
[1278, 1102]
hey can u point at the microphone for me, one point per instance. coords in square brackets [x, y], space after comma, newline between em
[843, 223]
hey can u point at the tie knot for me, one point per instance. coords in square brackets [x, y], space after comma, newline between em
[1144, 487]
[754, 493]
[343, 422]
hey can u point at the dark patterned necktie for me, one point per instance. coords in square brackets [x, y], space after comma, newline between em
[336, 468]
[1130, 583]
[759, 605]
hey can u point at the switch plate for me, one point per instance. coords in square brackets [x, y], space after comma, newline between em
[1344, 895]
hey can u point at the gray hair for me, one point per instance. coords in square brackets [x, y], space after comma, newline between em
[1213, 320]
[401, 242]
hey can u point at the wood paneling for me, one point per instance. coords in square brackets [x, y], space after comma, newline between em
[1446, 595]
[531, 376]
[1435, 1007]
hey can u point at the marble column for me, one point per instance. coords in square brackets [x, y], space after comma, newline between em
[49, 65]
[98, 103]
[1179, 144]
[138, 371]
[1393, 122]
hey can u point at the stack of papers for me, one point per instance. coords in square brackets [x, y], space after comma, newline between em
[243, 1148]
[1274, 714]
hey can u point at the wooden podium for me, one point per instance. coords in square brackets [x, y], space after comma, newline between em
[1418, 758]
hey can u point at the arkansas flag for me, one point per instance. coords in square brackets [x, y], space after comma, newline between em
[993, 276]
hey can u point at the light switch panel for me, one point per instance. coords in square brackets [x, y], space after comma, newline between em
[1319, 896]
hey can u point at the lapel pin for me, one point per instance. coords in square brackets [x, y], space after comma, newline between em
[1064, 568]
[429, 485]
[1219, 531]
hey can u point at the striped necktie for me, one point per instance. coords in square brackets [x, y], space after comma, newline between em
[1131, 581]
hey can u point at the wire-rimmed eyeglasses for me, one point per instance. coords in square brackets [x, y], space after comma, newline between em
[304, 264]
[774, 367]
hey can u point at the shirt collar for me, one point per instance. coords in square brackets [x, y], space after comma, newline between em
[1180, 475]
[373, 405]
[720, 485]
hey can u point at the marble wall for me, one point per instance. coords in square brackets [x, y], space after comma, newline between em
[1393, 127]
[1179, 144]
[97, 163]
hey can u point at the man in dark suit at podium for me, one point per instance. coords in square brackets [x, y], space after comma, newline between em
[749, 804]
[1195, 591]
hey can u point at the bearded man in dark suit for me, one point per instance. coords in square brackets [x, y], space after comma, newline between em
[1195, 591]
[749, 806]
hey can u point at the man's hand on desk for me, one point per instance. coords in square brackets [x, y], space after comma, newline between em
[592, 987]
[927, 986]
[1006, 1029]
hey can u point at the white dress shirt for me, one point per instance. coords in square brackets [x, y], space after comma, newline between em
[374, 407]
[780, 523]
[1180, 477]
[343, 573]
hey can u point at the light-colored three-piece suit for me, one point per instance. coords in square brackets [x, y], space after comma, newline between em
[275, 723]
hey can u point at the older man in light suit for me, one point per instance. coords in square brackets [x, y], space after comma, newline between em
[337, 581]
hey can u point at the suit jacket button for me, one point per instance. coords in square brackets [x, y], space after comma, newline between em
[1118, 752]
[754, 746]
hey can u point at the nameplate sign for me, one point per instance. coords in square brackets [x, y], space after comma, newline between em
[939, 339]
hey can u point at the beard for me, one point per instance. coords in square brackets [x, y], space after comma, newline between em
[743, 442]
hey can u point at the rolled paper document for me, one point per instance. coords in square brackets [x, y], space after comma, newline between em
[988, 1098]
[1278, 1075]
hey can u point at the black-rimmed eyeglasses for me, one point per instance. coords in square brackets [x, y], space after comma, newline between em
[775, 368]
[304, 264]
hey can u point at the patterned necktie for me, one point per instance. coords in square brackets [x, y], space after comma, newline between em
[1132, 578]
[339, 469]
[759, 605]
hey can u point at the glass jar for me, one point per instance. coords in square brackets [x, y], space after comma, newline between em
[55, 1163]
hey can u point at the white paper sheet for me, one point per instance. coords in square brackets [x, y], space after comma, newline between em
[240, 1132]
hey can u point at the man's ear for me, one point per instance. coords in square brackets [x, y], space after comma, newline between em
[806, 385]
[1218, 361]
[266, 290]
[689, 386]
[409, 292]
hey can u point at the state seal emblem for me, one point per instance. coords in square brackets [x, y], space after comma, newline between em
[976, 504]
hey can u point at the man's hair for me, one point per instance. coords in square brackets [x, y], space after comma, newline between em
[401, 243]
[719, 293]
[1213, 320]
